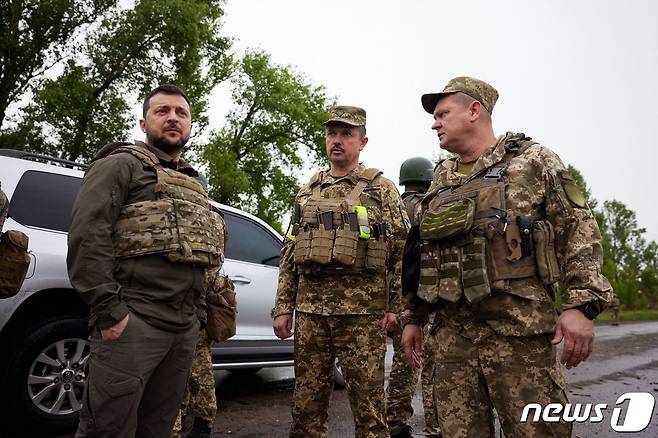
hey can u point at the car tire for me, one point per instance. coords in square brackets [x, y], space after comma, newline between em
[339, 379]
[47, 374]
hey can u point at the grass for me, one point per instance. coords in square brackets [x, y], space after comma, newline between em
[631, 315]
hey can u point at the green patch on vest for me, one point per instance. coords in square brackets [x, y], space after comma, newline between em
[573, 192]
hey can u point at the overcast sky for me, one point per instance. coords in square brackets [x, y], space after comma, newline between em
[578, 76]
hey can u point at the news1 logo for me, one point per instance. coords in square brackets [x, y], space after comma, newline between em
[638, 413]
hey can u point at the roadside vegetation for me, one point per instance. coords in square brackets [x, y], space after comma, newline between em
[631, 315]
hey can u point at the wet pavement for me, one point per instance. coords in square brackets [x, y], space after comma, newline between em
[625, 360]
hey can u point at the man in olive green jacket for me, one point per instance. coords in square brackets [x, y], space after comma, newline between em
[144, 288]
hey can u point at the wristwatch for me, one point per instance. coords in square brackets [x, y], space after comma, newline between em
[589, 310]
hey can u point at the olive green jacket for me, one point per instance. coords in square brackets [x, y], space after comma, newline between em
[167, 295]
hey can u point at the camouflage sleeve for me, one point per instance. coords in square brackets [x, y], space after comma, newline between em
[286, 293]
[90, 257]
[393, 213]
[577, 237]
[415, 310]
[3, 208]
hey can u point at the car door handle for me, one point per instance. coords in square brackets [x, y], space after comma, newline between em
[240, 279]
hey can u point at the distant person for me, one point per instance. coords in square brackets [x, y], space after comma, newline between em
[347, 232]
[416, 176]
[141, 238]
[502, 218]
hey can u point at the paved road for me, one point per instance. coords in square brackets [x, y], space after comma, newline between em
[625, 360]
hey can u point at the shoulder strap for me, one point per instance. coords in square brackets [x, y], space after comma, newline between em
[144, 155]
[370, 174]
[366, 177]
[514, 147]
[315, 183]
[108, 149]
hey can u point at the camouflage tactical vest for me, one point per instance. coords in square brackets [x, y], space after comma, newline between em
[327, 237]
[470, 244]
[178, 223]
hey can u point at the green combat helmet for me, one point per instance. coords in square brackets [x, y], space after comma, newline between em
[417, 169]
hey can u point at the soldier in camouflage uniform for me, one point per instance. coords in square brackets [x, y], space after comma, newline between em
[199, 399]
[498, 222]
[347, 232]
[141, 238]
[416, 176]
[4, 205]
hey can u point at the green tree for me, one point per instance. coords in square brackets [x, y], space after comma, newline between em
[275, 121]
[34, 36]
[153, 42]
[649, 275]
[627, 245]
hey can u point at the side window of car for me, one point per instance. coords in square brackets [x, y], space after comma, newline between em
[44, 200]
[249, 242]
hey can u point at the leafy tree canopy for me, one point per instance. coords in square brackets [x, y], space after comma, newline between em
[276, 120]
[133, 49]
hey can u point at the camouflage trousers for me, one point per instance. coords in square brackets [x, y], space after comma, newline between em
[360, 346]
[199, 399]
[427, 376]
[401, 387]
[500, 372]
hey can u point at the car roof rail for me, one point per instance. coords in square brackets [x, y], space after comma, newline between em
[23, 155]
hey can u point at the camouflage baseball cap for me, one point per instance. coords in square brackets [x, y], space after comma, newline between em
[351, 115]
[477, 89]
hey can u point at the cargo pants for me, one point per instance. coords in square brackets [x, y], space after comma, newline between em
[360, 346]
[401, 387]
[135, 383]
[501, 372]
[427, 376]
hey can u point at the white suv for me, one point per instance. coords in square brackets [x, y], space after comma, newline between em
[43, 329]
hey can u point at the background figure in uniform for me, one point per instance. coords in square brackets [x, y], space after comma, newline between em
[347, 231]
[141, 275]
[199, 400]
[416, 176]
[4, 207]
[498, 222]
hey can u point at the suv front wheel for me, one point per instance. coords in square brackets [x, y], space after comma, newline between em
[48, 373]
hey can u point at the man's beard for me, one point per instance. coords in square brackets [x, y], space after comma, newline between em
[164, 145]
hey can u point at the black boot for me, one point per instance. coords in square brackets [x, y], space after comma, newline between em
[200, 429]
[405, 432]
